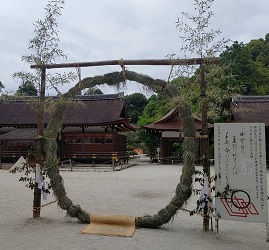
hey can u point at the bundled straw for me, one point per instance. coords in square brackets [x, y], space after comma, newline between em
[183, 189]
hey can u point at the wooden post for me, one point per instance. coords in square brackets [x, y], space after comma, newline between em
[267, 232]
[71, 164]
[217, 227]
[37, 201]
[40, 133]
[113, 164]
[204, 139]
[1, 153]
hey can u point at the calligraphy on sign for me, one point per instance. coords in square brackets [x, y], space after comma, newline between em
[240, 163]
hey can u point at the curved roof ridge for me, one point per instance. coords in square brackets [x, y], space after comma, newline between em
[169, 115]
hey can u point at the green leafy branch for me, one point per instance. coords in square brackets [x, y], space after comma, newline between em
[28, 170]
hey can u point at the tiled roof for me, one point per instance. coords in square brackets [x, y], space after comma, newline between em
[20, 134]
[94, 112]
[89, 111]
[253, 109]
[172, 122]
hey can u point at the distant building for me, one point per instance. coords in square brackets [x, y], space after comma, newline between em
[169, 129]
[251, 109]
[92, 128]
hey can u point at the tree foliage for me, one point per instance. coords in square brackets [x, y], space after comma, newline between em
[93, 91]
[135, 104]
[243, 71]
[239, 65]
[248, 64]
[157, 106]
[218, 93]
[200, 40]
[2, 86]
[27, 89]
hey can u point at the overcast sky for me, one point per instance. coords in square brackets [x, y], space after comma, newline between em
[112, 29]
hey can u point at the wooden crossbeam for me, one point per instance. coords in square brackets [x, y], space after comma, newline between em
[190, 61]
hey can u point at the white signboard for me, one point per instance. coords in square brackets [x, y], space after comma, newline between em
[240, 164]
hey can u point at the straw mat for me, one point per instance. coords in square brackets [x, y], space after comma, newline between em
[111, 225]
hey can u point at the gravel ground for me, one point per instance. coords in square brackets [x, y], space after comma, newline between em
[142, 189]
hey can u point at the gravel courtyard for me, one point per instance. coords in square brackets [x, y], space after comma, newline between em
[142, 189]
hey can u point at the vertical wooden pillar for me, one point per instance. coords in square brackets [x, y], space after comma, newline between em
[161, 151]
[1, 153]
[204, 139]
[40, 133]
[267, 232]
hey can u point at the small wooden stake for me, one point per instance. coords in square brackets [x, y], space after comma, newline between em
[205, 221]
[211, 223]
[217, 227]
[37, 201]
[267, 232]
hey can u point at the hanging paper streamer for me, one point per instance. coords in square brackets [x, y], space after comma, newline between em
[206, 197]
[38, 176]
[40, 180]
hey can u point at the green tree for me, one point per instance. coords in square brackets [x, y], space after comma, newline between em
[150, 111]
[157, 106]
[259, 49]
[199, 39]
[238, 63]
[219, 92]
[27, 89]
[2, 86]
[93, 91]
[150, 141]
[243, 71]
[248, 65]
[135, 104]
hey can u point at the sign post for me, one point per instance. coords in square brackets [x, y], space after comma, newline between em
[240, 168]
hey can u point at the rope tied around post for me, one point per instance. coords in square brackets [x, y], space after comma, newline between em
[171, 71]
[78, 69]
[121, 63]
